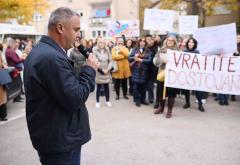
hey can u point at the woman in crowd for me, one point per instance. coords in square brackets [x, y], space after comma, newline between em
[26, 51]
[158, 41]
[3, 93]
[90, 45]
[77, 57]
[182, 47]
[129, 45]
[120, 54]
[152, 71]
[160, 61]
[182, 44]
[140, 60]
[158, 44]
[102, 80]
[191, 47]
[110, 46]
[15, 61]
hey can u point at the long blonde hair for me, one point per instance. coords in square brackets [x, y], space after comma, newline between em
[165, 46]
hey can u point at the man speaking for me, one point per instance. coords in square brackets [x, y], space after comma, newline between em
[57, 117]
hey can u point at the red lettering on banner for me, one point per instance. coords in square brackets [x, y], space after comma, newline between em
[175, 60]
[171, 73]
[200, 78]
[214, 60]
[235, 83]
[207, 80]
[182, 76]
[230, 63]
[226, 83]
[195, 61]
[191, 77]
[220, 66]
[205, 64]
[186, 57]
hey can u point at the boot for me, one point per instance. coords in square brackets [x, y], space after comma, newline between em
[156, 105]
[161, 108]
[3, 112]
[170, 106]
[187, 99]
[233, 98]
[200, 107]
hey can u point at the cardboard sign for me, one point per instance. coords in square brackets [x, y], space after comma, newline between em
[203, 73]
[155, 19]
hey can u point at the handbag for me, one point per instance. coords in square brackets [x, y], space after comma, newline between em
[5, 78]
[161, 76]
[114, 66]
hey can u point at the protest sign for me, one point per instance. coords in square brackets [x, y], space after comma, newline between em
[155, 19]
[203, 73]
[217, 39]
[188, 24]
[128, 28]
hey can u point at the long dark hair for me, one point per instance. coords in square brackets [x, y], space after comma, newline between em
[194, 41]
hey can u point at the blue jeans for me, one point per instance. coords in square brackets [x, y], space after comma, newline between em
[199, 96]
[68, 158]
[223, 97]
[139, 92]
[150, 85]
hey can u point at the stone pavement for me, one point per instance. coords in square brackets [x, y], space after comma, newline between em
[127, 135]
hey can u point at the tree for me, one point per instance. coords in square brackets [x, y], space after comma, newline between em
[22, 11]
[202, 8]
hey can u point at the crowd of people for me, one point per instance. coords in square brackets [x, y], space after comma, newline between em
[139, 61]
[12, 54]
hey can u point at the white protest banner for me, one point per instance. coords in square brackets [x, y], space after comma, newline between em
[217, 39]
[203, 73]
[128, 28]
[188, 24]
[155, 19]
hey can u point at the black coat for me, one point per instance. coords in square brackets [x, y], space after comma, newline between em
[140, 70]
[57, 117]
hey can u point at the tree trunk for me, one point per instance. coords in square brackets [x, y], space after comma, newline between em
[202, 14]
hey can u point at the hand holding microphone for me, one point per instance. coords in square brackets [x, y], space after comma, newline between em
[90, 59]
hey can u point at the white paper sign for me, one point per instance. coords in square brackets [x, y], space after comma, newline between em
[155, 19]
[188, 24]
[217, 39]
[203, 73]
[129, 28]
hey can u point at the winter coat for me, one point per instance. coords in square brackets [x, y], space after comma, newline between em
[78, 60]
[3, 93]
[13, 59]
[105, 60]
[56, 113]
[121, 57]
[140, 70]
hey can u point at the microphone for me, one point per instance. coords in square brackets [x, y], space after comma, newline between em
[85, 52]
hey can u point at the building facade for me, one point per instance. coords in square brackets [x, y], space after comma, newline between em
[94, 14]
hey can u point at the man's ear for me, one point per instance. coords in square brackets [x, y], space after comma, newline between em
[60, 28]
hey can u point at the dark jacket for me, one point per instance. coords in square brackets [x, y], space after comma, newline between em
[153, 70]
[191, 51]
[57, 117]
[140, 70]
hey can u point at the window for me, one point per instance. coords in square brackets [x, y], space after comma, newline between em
[99, 33]
[93, 34]
[101, 10]
[37, 17]
[104, 33]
